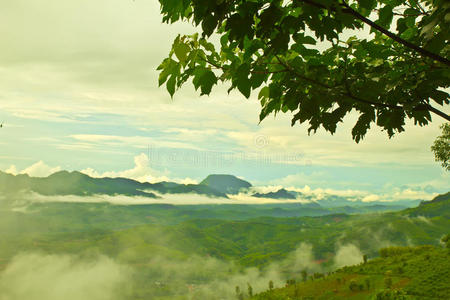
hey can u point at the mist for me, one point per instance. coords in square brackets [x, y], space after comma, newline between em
[39, 276]
[347, 255]
[35, 276]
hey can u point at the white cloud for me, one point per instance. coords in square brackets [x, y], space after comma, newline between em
[402, 194]
[12, 170]
[39, 169]
[141, 172]
[371, 198]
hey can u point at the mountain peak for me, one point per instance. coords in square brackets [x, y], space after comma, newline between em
[224, 183]
[68, 175]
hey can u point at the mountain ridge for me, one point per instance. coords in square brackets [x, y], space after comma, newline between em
[80, 184]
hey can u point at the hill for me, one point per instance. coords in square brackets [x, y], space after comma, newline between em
[227, 184]
[439, 206]
[280, 194]
[399, 273]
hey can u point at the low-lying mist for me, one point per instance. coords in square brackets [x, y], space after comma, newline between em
[35, 276]
[38, 276]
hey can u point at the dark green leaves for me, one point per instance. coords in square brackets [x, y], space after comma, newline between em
[273, 45]
[367, 4]
[205, 79]
[243, 83]
[385, 16]
[362, 125]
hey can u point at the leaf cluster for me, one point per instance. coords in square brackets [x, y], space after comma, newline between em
[393, 67]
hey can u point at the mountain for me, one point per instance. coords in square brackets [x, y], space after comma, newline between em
[227, 184]
[280, 194]
[216, 185]
[76, 183]
[439, 206]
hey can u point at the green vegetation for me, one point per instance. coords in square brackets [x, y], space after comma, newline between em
[315, 59]
[400, 273]
[441, 147]
[207, 250]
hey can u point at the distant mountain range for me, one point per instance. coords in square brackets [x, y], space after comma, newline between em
[215, 185]
[280, 194]
[76, 183]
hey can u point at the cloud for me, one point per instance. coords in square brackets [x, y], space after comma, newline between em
[408, 193]
[371, 198]
[35, 276]
[347, 255]
[39, 169]
[133, 141]
[141, 172]
[12, 170]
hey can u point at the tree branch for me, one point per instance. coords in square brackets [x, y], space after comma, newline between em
[347, 94]
[437, 112]
[351, 11]
[350, 94]
[394, 36]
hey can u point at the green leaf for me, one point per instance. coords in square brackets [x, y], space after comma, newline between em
[204, 79]
[181, 50]
[367, 4]
[362, 125]
[243, 83]
[171, 85]
[208, 80]
[209, 24]
[264, 93]
[168, 67]
[385, 16]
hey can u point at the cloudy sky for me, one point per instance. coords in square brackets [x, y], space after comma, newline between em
[78, 91]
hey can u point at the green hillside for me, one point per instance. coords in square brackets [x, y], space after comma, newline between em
[439, 206]
[400, 273]
[233, 239]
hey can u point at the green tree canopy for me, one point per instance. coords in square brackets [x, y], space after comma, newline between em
[441, 147]
[388, 60]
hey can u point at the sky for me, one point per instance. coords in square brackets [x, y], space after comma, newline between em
[79, 91]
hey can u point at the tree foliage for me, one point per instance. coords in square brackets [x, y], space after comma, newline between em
[386, 60]
[441, 147]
